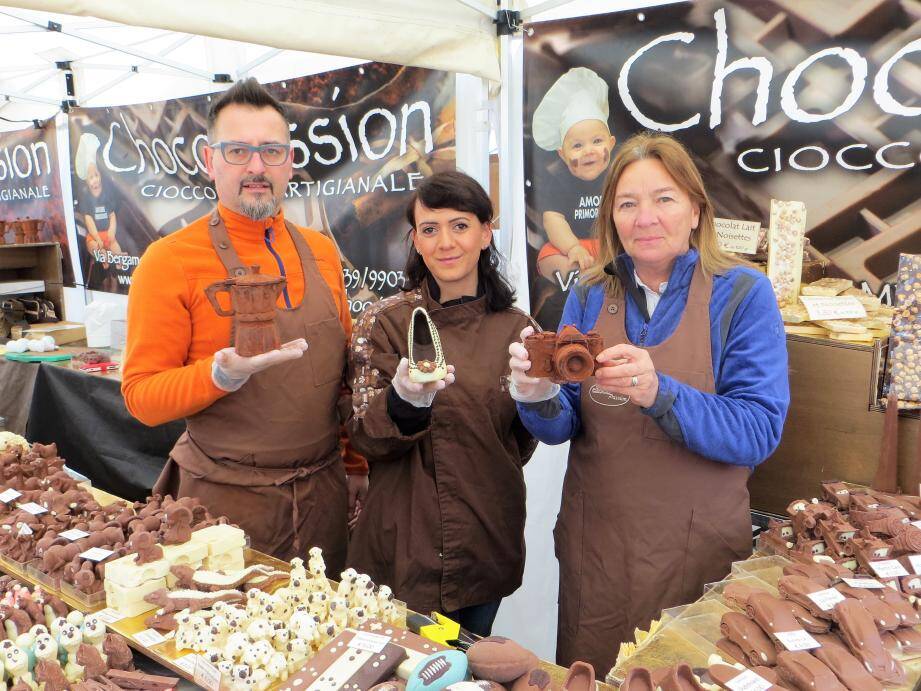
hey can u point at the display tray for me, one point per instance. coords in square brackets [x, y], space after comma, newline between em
[181, 662]
[689, 632]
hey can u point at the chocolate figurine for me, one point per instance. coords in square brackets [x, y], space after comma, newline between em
[863, 640]
[252, 300]
[567, 356]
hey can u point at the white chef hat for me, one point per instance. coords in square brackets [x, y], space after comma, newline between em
[578, 95]
[86, 154]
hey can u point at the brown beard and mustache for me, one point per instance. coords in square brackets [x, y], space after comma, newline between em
[259, 210]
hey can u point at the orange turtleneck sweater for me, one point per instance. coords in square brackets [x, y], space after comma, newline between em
[173, 332]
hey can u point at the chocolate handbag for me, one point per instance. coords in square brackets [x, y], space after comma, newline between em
[423, 371]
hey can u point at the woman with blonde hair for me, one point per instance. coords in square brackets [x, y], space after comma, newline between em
[689, 395]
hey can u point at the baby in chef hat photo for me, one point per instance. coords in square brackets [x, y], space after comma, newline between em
[572, 120]
[95, 204]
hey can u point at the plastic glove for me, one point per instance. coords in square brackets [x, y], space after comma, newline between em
[418, 395]
[231, 371]
[525, 389]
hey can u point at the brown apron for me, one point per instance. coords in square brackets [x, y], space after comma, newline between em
[267, 455]
[644, 521]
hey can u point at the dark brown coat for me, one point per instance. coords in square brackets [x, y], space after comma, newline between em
[443, 524]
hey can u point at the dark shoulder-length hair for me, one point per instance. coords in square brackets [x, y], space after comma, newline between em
[457, 190]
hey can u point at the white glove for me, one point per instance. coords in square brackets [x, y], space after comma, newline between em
[230, 371]
[525, 389]
[418, 395]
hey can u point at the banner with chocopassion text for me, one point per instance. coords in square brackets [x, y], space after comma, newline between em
[362, 136]
[30, 188]
[813, 106]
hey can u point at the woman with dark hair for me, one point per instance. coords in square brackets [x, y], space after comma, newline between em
[443, 522]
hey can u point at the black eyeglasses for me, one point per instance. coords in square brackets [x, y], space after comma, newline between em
[239, 154]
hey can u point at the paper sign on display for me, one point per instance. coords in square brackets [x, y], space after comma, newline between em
[96, 554]
[207, 675]
[371, 642]
[748, 681]
[797, 640]
[149, 637]
[33, 508]
[916, 524]
[889, 568]
[24, 529]
[109, 615]
[826, 599]
[915, 560]
[9, 495]
[838, 307]
[188, 663]
[74, 534]
[737, 236]
[863, 582]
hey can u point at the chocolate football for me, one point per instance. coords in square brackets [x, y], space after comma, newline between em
[500, 659]
[438, 671]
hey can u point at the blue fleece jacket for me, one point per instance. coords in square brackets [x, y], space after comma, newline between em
[742, 422]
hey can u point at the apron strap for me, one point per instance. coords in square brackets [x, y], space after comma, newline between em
[220, 240]
[312, 277]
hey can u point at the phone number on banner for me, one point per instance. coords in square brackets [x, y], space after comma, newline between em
[372, 279]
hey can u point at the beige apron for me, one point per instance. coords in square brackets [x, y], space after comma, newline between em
[644, 522]
[267, 456]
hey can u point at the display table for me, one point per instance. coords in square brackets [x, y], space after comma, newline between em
[834, 425]
[179, 662]
[85, 415]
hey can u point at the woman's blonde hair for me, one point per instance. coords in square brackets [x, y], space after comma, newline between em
[677, 161]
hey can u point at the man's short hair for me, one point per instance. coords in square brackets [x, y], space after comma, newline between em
[247, 92]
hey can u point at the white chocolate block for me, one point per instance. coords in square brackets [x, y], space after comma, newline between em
[220, 538]
[228, 561]
[186, 553]
[129, 600]
[126, 572]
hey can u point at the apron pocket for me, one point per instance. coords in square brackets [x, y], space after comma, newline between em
[326, 350]
[712, 550]
[567, 545]
[652, 430]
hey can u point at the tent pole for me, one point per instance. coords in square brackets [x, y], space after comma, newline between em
[513, 237]
[475, 5]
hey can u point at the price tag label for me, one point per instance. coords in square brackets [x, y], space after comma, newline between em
[109, 615]
[25, 529]
[149, 637]
[9, 495]
[188, 663]
[863, 582]
[96, 554]
[916, 524]
[890, 568]
[74, 534]
[826, 599]
[737, 236]
[33, 508]
[207, 675]
[372, 642]
[915, 561]
[797, 640]
[840, 307]
[748, 681]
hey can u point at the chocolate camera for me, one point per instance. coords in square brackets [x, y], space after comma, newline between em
[564, 356]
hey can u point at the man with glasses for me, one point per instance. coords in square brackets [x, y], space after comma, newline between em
[263, 443]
